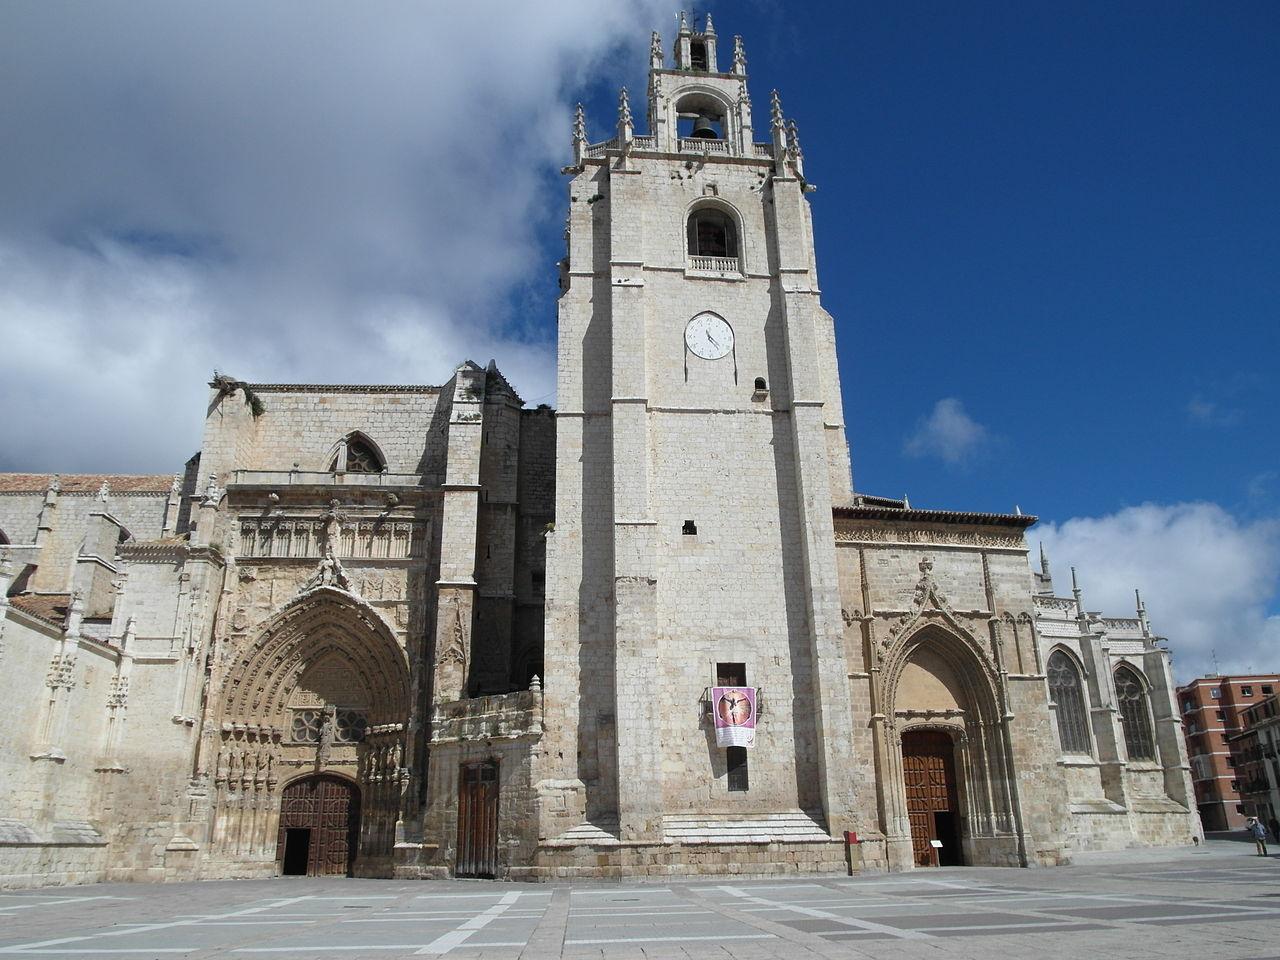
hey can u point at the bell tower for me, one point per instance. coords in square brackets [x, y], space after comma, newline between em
[700, 449]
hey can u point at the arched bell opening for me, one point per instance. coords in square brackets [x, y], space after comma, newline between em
[322, 691]
[947, 796]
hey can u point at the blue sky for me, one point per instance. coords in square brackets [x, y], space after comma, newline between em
[1066, 218]
[1047, 233]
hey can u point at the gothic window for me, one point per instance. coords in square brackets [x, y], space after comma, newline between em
[1067, 694]
[1135, 718]
[349, 725]
[356, 454]
[712, 233]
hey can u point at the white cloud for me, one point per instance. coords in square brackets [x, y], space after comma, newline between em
[1209, 580]
[948, 432]
[329, 191]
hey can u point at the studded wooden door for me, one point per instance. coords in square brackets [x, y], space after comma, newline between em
[928, 766]
[477, 820]
[323, 813]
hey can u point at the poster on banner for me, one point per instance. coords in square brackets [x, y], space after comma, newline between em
[734, 710]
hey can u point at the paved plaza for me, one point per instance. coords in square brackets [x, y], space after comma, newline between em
[1215, 902]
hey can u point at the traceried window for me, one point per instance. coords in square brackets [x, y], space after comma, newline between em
[1135, 718]
[349, 725]
[1067, 694]
[356, 454]
[361, 458]
[712, 233]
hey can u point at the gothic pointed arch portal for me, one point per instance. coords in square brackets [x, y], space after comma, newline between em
[321, 691]
[944, 750]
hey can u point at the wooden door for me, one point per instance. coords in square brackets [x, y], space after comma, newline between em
[928, 767]
[328, 808]
[477, 820]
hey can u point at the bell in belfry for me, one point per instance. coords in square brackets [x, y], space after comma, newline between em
[703, 128]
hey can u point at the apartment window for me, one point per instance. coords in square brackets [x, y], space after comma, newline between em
[1268, 689]
[1221, 715]
[1235, 785]
[1231, 762]
[1216, 693]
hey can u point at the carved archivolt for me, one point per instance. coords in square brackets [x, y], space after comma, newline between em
[323, 623]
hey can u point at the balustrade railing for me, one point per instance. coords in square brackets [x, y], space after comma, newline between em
[700, 145]
[715, 264]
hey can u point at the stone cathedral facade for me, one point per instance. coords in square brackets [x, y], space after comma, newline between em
[423, 631]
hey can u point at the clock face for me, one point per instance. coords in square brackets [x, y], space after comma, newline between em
[708, 337]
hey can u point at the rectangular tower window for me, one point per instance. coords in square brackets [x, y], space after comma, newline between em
[734, 675]
[731, 674]
[739, 779]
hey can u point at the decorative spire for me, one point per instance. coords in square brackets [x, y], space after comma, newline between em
[744, 97]
[775, 111]
[710, 30]
[1078, 594]
[739, 56]
[626, 130]
[1044, 562]
[1142, 614]
[624, 108]
[793, 140]
[655, 51]
[55, 484]
[579, 125]
[684, 24]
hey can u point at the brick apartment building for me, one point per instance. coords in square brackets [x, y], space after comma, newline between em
[1257, 753]
[1212, 709]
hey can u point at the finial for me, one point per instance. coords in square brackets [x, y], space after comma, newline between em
[1044, 561]
[55, 485]
[1077, 593]
[211, 493]
[580, 125]
[906, 502]
[793, 138]
[655, 51]
[775, 107]
[175, 487]
[1142, 614]
[684, 24]
[710, 29]
[535, 683]
[739, 56]
[926, 565]
[624, 111]
[104, 492]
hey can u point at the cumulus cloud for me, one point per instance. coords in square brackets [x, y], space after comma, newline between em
[1209, 580]
[320, 192]
[948, 432]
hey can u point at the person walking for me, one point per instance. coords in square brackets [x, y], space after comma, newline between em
[1259, 833]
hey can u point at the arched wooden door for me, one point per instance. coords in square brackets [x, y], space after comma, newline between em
[319, 827]
[929, 769]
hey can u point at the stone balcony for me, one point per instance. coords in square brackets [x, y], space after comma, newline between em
[503, 716]
[322, 478]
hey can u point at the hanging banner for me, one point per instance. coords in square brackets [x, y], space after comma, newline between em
[734, 710]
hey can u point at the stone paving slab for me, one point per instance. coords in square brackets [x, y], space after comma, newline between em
[1211, 904]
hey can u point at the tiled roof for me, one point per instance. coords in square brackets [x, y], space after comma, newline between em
[932, 516]
[51, 607]
[86, 482]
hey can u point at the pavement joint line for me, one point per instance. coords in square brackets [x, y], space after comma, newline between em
[828, 915]
[801, 939]
[672, 939]
[446, 942]
[26, 947]
[547, 938]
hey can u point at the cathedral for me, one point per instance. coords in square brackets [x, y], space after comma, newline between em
[423, 631]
